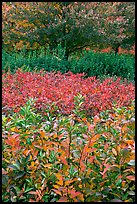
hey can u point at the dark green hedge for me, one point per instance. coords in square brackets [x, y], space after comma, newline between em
[93, 64]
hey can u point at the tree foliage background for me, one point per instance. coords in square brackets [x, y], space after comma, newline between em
[73, 24]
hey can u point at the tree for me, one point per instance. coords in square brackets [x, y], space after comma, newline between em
[73, 24]
[118, 27]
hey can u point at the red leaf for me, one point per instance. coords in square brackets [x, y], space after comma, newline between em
[73, 193]
[91, 159]
[57, 192]
[132, 178]
[82, 166]
[105, 170]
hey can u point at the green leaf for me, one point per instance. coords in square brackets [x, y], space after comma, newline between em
[4, 179]
[20, 174]
[13, 166]
[17, 164]
[27, 158]
[132, 162]
[43, 174]
[131, 192]
[28, 189]
[118, 182]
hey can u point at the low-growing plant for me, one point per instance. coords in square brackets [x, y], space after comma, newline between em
[69, 158]
[92, 64]
[61, 89]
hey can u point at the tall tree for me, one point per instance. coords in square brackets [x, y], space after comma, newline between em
[73, 24]
[118, 27]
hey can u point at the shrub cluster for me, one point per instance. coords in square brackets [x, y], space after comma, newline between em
[61, 89]
[92, 64]
[75, 158]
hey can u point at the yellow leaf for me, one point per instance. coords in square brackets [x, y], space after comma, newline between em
[14, 129]
[32, 163]
[55, 136]
[6, 161]
[81, 197]
[114, 151]
[47, 165]
[56, 186]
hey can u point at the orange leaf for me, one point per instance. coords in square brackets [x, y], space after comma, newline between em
[129, 142]
[84, 119]
[70, 181]
[132, 178]
[60, 178]
[26, 152]
[118, 148]
[42, 133]
[60, 182]
[63, 160]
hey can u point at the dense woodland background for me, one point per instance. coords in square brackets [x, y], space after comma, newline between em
[76, 25]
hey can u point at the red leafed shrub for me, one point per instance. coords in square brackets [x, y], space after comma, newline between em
[61, 89]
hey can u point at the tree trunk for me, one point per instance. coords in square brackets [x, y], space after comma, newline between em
[116, 49]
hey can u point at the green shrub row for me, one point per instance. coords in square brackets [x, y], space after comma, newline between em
[93, 64]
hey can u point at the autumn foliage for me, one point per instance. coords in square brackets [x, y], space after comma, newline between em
[81, 151]
[61, 89]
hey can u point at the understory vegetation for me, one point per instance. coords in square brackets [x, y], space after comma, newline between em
[88, 62]
[67, 138]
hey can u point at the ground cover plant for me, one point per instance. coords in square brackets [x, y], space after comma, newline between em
[67, 138]
[61, 89]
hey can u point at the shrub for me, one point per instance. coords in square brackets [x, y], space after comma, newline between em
[61, 89]
[56, 158]
[92, 64]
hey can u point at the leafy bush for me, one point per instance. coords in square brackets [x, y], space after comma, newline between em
[61, 89]
[98, 64]
[92, 64]
[57, 158]
[35, 60]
